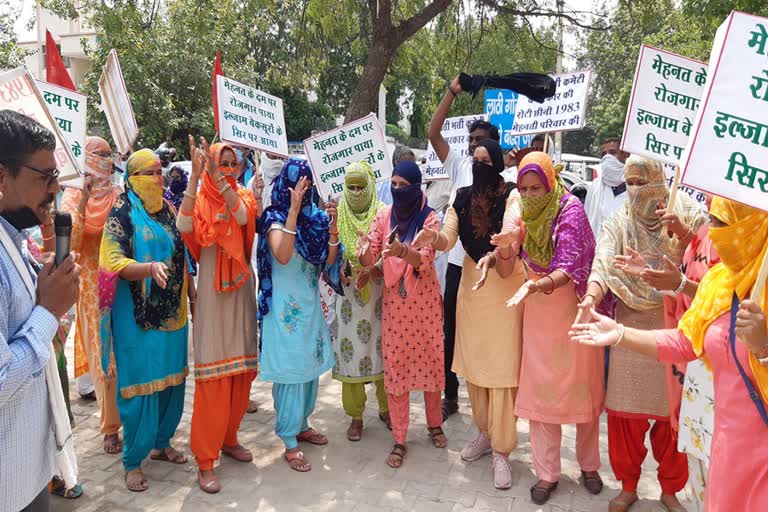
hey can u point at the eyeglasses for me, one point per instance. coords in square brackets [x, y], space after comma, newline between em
[52, 176]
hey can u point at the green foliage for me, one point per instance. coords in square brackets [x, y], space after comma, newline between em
[11, 55]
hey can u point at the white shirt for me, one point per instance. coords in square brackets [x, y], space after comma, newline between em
[459, 169]
[600, 204]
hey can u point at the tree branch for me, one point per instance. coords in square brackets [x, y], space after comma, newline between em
[543, 13]
[412, 25]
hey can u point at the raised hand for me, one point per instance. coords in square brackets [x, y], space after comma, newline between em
[362, 244]
[601, 331]
[424, 238]
[456, 85]
[750, 326]
[631, 263]
[669, 278]
[484, 265]
[331, 211]
[158, 271]
[297, 194]
[672, 222]
[210, 164]
[527, 289]
[197, 158]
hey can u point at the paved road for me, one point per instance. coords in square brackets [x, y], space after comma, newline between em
[350, 477]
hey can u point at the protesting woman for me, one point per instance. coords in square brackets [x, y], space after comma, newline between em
[297, 242]
[179, 182]
[357, 344]
[488, 336]
[560, 383]
[143, 303]
[89, 209]
[218, 226]
[639, 227]
[412, 338]
[732, 339]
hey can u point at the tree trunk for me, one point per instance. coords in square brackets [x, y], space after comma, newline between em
[365, 97]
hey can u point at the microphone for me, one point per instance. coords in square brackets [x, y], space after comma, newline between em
[62, 223]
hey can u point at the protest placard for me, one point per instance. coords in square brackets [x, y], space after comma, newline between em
[455, 131]
[728, 149]
[68, 108]
[330, 152]
[18, 92]
[564, 111]
[117, 105]
[252, 118]
[500, 107]
[665, 99]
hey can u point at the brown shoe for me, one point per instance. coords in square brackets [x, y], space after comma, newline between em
[592, 481]
[540, 494]
[449, 407]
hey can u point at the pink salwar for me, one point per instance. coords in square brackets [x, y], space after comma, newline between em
[400, 413]
[546, 439]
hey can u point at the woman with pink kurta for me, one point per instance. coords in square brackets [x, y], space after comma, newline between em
[412, 315]
[732, 337]
[560, 382]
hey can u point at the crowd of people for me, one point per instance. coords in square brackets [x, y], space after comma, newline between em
[497, 275]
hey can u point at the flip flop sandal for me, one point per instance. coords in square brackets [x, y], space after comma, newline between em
[70, 494]
[312, 436]
[399, 451]
[355, 430]
[178, 458]
[434, 433]
[672, 509]
[296, 461]
[136, 484]
[209, 484]
[386, 418]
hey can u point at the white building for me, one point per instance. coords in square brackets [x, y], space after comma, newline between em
[68, 35]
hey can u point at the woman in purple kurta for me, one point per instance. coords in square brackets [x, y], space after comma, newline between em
[560, 382]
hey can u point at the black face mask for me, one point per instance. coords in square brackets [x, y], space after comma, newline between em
[21, 218]
[483, 174]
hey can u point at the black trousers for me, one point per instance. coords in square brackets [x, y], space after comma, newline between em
[452, 280]
[41, 503]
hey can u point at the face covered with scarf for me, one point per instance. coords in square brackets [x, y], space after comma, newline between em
[541, 192]
[98, 165]
[611, 171]
[646, 188]
[407, 199]
[359, 205]
[145, 178]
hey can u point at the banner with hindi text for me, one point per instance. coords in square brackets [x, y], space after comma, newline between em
[117, 105]
[249, 117]
[330, 152]
[19, 92]
[500, 105]
[665, 99]
[455, 131]
[68, 108]
[727, 154]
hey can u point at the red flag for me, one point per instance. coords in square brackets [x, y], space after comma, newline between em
[55, 71]
[216, 72]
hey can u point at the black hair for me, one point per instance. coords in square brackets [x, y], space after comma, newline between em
[611, 140]
[20, 136]
[537, 138]
[493, 132]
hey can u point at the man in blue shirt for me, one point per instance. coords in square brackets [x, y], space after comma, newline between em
[28, 184]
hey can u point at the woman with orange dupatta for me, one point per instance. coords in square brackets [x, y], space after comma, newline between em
[89, 208]
[218, 225]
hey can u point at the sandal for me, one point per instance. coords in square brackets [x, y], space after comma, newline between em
[112, 444]
[355, 430]
[396, 456]
[239, 453]
[384, 416]
[135, 481]
[208, 483]
[168, 455]
[448, 408]
[58, 488]
[296, 461]
[253, 406]
[438, 437]
[622, 502]
[312, 436]
[540, 495]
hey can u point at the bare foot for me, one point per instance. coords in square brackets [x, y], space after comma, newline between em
[622, 501]
[671, 503]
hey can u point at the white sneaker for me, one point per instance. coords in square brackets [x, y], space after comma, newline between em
[477, 448]
[502, 471]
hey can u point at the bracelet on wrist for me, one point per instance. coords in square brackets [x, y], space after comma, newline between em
[553, 284]
[286, 230]
[683, 282]
[334, 244]
[455, 94]
[46, 238]
[621, 329]
[190, 195]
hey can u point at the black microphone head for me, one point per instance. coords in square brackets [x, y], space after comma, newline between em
[62, 223]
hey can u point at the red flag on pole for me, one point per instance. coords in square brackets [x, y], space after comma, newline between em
[216, 72]
[55, 71]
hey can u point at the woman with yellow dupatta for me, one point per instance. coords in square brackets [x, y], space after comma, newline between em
[218, 225]
[89, 209]
[732, 339]
[143, 303]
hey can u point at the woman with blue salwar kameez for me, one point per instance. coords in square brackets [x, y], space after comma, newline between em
[296, 343]
[143, 305]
